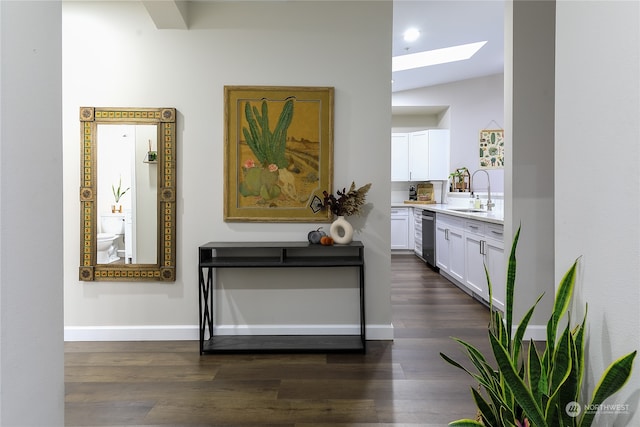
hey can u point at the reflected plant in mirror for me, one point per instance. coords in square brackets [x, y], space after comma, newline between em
[152, 155]
[117, 195]
[133, 239]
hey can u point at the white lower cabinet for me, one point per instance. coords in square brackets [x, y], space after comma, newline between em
[474, 244]
[412, 236]
[417, 231]
[494, 254]
[475, 279]
[400, 228]
[450, 246]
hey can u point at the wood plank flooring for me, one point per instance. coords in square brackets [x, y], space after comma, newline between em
[399, 383]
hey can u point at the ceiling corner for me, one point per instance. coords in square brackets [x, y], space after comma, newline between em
[168, 14]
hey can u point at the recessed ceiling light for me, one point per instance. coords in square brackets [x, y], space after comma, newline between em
[411, 35]
[434, 57]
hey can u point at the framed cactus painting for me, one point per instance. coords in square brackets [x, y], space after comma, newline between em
[278, 153]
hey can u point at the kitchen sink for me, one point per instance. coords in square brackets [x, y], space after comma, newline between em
[467, 210]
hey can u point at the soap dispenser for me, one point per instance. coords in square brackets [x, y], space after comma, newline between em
[477, 203]
[471, 201]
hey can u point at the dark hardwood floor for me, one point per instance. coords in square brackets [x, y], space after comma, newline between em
[399, 383]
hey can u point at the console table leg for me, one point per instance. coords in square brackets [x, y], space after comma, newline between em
[363, 325]
[205, 305]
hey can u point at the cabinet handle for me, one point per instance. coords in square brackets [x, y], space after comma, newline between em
[446, 234]
[497, 232]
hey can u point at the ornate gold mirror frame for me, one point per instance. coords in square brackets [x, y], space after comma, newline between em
[165, 267]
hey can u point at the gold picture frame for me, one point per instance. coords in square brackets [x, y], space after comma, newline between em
[278, 154]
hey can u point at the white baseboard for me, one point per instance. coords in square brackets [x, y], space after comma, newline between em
[380, 332]
[535, 332]
[191, 332]
[131, 333]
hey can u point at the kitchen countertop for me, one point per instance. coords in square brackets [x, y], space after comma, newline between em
[495, 217]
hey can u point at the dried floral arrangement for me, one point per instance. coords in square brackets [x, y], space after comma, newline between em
[348, 202]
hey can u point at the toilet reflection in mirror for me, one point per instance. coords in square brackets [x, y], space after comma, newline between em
[127, 188]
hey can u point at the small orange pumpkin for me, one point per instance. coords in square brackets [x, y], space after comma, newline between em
[326, 240]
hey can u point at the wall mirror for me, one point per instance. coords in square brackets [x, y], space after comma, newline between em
[127, 194]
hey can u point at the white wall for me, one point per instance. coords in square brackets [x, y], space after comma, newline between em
[597, 199]
[413, 122]
[114, 56]
[146, 231]
[529, 170]
[474, 104]
[31, 346]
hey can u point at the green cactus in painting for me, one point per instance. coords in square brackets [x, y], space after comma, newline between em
[268, 147]
[260, 182]
[252, 182]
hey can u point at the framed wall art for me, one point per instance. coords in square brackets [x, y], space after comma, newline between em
[492, 148]
[278, 154]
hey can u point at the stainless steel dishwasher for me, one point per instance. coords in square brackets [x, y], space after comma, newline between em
[429, 237]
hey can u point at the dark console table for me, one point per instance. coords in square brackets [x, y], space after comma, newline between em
[216, 255]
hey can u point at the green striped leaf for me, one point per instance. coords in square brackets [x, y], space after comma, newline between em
[488, 413]
[611, 381]
[520, 392]
[466, 423]
[511, 283]
[534, 373]
[522, 327]
[561, 362]
[560, 306]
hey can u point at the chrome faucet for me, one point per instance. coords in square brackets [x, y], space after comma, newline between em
[490, 203]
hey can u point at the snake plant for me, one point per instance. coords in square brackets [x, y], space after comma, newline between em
[117, 192]
[532, 389]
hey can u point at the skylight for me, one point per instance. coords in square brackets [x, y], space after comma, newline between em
[435, 57]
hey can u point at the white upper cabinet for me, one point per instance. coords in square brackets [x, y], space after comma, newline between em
[439, 154]
[420, 156]
[400, 157]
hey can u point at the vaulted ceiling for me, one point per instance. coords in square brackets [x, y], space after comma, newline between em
[442, 23]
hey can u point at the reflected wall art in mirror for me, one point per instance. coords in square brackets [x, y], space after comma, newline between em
[128, 194]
